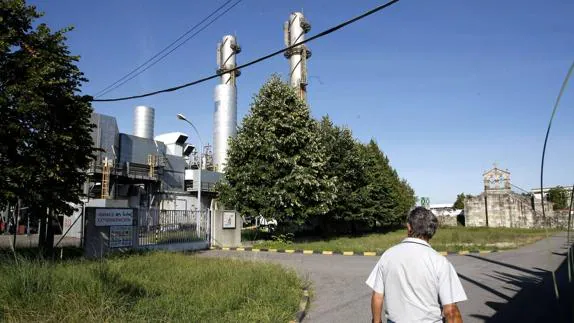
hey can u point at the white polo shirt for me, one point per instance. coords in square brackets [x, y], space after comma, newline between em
[415, 281]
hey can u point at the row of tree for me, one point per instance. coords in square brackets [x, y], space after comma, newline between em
[309, 174]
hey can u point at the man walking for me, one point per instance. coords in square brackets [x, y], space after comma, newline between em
[414, 280]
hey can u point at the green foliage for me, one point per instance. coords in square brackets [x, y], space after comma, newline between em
[156, 287]
[346, 168]
[559, 197]
[386, 198]
[45, 133]
[286, 166]
[275, 166]
[286, 238]
[459, 203]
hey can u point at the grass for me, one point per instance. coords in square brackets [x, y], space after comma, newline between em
[154, 287]
[446, 239]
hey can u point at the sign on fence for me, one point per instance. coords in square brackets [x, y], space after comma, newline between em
[114, 217]
[121, 236]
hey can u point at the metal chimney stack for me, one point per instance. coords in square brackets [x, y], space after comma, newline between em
[144, 121]
[295, 29]
[225, 115]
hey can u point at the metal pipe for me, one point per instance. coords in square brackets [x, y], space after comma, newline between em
[144, 121]
[225, 97]
[570, 213]
[295, 29]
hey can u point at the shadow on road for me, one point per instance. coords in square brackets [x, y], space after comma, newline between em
[535, 301]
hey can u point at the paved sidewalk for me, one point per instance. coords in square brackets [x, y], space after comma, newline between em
[512, 285]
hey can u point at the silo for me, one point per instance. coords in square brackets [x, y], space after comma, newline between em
[144, 121]
[225, 96]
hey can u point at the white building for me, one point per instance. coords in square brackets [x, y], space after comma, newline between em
[537, 194]
[444, 210]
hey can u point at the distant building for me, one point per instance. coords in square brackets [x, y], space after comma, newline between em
[444, 210]
[536, 192]
[499, 206]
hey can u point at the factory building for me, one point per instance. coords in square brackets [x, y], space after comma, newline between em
[164, 173]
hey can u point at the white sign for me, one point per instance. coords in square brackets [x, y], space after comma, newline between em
[229, 219]
[121, 236]
[112, 217]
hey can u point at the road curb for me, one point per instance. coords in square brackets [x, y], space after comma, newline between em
[343, 253]
[303, 306]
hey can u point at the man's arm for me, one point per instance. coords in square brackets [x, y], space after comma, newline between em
[451, 313]
[377, 306]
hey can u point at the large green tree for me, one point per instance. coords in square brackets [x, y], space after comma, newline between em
[386, 198]
[275, 166]
[346, 169]
[45, 132]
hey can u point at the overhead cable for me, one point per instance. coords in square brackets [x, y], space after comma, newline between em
[556, 104]
[138, 70]
[258, 60]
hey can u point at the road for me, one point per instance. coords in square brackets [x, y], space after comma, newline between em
[30, 241]
[501, 287]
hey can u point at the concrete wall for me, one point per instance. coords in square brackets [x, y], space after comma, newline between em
[97, 239]
[558, 220]
[505, 209]
[447, 221]
[226, 237]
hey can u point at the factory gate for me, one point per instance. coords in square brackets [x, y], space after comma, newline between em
[121, 229]
[172, 229]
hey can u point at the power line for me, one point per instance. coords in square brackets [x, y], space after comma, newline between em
[175, 48]
[113, 86]
[556, 104]
[263, 58]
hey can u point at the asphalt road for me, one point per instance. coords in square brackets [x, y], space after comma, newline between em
[501, 287]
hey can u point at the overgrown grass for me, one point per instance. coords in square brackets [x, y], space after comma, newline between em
[446, 239]
[155, 287]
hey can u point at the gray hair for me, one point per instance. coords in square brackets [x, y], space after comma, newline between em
[423, 223]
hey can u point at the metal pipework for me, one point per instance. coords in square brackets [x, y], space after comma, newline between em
[144, 122]
[227, 50]
[294, 30]
[225, 96]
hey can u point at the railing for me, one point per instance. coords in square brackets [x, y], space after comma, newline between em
[205, 186]
[165, 226]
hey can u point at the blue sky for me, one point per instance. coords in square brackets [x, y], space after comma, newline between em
[446, 87]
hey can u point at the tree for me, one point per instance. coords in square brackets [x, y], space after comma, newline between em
[346, 169]
[275, 166]
[45, 133]
[559, 197]
[386, 198]
[459, 203]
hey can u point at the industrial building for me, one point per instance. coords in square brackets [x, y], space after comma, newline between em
[164, 173]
